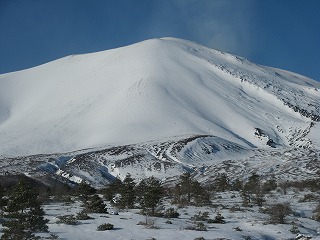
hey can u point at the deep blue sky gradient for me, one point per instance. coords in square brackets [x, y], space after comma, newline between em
[278, 33]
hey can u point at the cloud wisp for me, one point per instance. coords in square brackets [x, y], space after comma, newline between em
[223, 25]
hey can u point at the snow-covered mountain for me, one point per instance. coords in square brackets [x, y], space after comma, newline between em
[155, 93]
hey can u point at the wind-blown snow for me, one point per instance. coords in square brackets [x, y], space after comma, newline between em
[151, 90]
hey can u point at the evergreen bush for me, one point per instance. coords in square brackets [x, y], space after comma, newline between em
[170, 213]
[83, 216]
[67, 219]
[23, 214]
[95, 204]
[316, 215]
[127, 192]
[201, 216]
[278, 212]
[150, 193]
[105, 226]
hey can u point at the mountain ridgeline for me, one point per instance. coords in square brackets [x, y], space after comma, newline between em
[158, 107]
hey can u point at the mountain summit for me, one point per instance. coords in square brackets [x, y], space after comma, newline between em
[154, 90]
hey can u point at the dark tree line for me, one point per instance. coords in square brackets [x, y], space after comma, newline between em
[22, 212]
[147, 194]
[189, 191]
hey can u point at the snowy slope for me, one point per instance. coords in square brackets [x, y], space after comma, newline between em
[152, 90]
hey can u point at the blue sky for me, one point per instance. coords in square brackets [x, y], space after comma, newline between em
[279, 33]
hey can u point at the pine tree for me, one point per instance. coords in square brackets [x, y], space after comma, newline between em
[278, 212]
[36, 220]
[184, 188]
[270, 184]
[150, 194]
[200, 194]
[252, 191]
[127, 192]
[190, 191]
[95, 205]
[112, 189]
[221, 183]
[237, 185]
[3, 202]
[24, 214]
[84, 190]
[22, 198]
[16, 230]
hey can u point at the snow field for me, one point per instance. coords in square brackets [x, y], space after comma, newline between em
[151, 90]
[248, 222]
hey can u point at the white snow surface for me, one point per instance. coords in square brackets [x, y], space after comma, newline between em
[241, 222]
[151, 90]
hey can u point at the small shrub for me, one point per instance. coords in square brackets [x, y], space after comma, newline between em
[53, 236]
[148, 212]
[235, 208]
[264, 210]
[168, 222]
[294, 229]
[316, 216]
[238, 229]
[200, 238]
[308, 198]
[247, 237]
[190, 227]
[67, 219]
[270, 185]
[211, 221]
[105, 226]
[218, 219]
[278, 212]
[170, 213]
[198, 227]
[149, 223]
[201, 227]
[83, 216]
[200, 216]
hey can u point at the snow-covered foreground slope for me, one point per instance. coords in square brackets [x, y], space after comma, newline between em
[240, 222]
[154, 90]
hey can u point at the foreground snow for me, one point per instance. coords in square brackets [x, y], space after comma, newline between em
[249, 220]
[240, 224]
